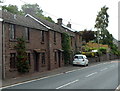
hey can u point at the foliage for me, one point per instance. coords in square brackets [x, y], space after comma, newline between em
[11, 8]
[66, 47]
[87, 35]
[101, 25]
[89, 54]
[33, 9]
[22, 61]
[103, 50]
[114, 50]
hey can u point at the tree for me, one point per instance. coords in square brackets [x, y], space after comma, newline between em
[22, 59]
[87, 35]
[11, 8]
[101, 25]
[32, 9]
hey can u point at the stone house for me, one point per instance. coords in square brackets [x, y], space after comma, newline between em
[43, 43]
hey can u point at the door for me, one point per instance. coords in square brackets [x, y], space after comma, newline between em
[59, 58]
[36, 63]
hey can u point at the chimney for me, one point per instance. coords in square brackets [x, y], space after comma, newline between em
[59, 21]
[69, 25]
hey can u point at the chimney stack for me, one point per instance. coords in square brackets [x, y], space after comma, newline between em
[59, 21]
[69, 25]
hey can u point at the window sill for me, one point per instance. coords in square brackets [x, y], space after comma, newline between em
[42, 42]
[13, 40]
[12, 69]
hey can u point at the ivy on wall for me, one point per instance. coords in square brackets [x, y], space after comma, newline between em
[66, 47]
[22, 59]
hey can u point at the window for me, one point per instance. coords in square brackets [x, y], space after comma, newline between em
[42, 36]
[43, 58]
[54, 37]
[28, 55]
[12, 60]
[26, 34]
[12, 31]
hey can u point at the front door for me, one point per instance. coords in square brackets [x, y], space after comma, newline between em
[59, 58]
[36, 63]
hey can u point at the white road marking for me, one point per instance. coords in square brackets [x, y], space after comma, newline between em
[104, 69]
[29, 81]
[48, 76]
[91, 74]
[118, 88]
[67, 84]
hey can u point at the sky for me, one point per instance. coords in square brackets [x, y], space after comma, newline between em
[80, 13]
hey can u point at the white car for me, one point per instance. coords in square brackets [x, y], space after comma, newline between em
[80, 59]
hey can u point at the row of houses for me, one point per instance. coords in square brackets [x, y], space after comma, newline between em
[43, 42]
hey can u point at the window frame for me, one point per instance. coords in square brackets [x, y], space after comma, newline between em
[42, 36]
[54, 37]
[13, 62]
[12, 29]
[27, 34]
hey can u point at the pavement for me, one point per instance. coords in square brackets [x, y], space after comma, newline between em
[64, 69]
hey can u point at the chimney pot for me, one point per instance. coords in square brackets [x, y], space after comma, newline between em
[69, 25]
[59, 21]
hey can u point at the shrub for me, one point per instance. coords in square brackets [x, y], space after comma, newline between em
[103, 50]
[89, 54]
[22, 61]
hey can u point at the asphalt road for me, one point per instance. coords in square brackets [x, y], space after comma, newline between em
[100, 76]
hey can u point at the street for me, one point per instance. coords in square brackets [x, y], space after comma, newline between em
[100, 76]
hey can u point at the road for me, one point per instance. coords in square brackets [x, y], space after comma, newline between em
[100, 76]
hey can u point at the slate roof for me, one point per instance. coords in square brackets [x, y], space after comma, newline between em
[35, 22]
[54, 26]
[21, 20]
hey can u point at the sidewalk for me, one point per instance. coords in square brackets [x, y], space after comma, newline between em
[12, 81]
[38, 75]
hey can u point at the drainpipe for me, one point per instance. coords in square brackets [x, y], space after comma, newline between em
[3, 51]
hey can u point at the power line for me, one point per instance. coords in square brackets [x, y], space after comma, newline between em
[49, 14]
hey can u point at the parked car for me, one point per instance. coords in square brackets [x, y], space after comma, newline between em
[80, 59]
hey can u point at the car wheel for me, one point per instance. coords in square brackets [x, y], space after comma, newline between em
[87, 65]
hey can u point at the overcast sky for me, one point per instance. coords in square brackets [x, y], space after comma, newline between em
[81, 13]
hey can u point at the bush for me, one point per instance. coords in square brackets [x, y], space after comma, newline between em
[89, 54]
[103, 50]
[22, 61]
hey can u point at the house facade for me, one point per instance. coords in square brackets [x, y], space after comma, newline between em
[43, 43]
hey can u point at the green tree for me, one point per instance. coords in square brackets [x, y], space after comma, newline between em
[33, 9]
[11, 8]
[66, 47]
[101, 25]
[87, 35]
[22, 59]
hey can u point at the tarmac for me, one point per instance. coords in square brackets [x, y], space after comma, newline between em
[37, 75]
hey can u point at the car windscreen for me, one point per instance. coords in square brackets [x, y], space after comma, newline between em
[78, 57]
